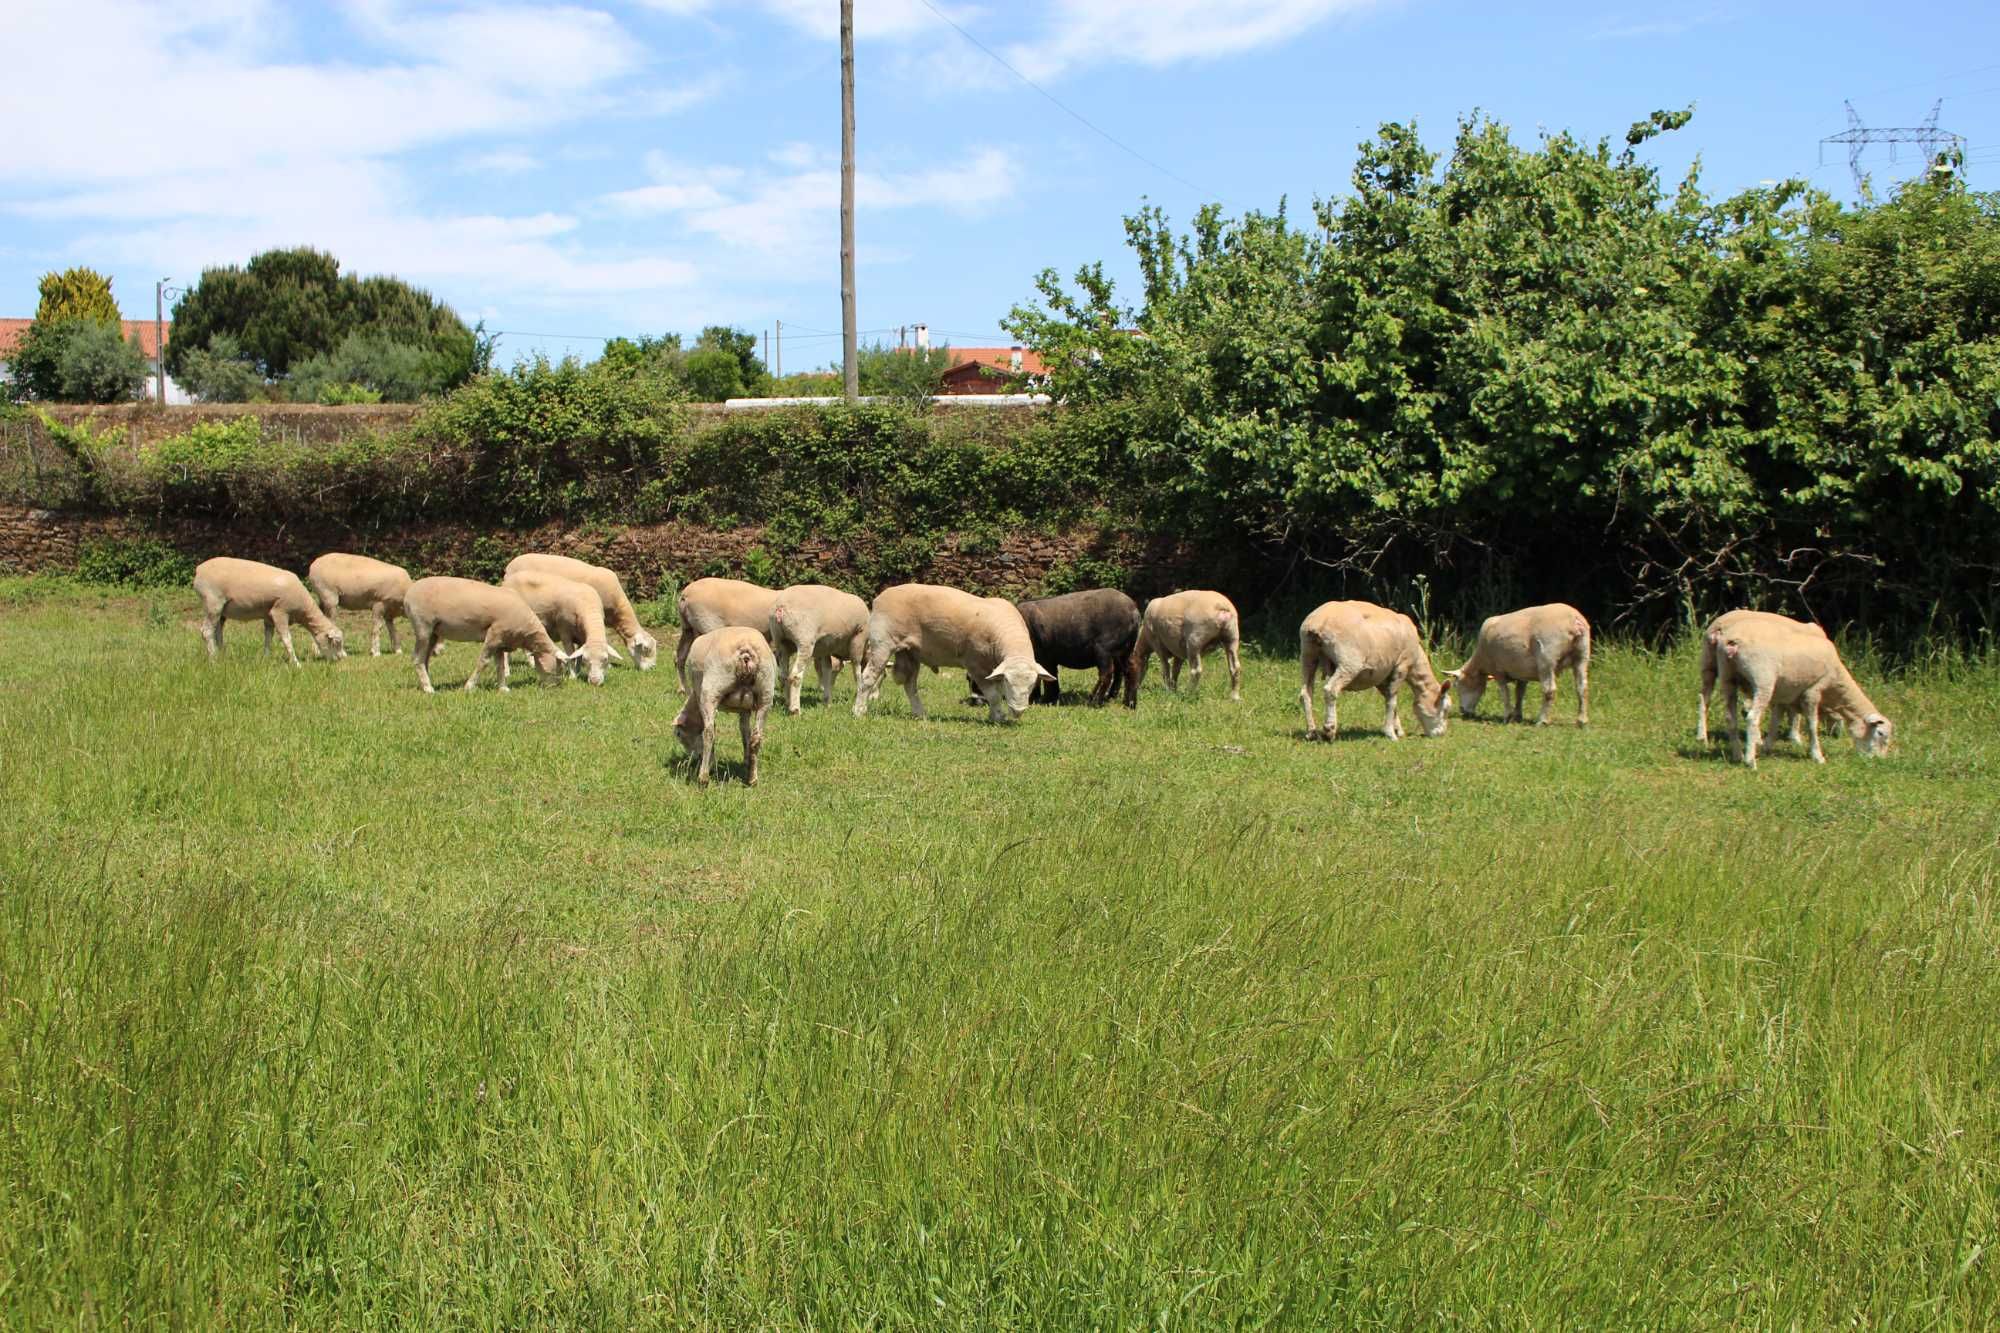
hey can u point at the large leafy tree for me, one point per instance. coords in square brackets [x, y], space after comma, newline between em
[285, 308]
[77, 293]
[75, 351]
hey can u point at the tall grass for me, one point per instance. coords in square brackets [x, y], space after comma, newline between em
[326, 1003]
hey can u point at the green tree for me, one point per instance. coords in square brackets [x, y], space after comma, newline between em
[909, 374]
[76, 361]
[77, 293]
[220, 373]
[286, 307]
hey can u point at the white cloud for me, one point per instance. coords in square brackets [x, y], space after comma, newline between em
[785, 216]
[1157, 33]
[502, 161]
[874, 20]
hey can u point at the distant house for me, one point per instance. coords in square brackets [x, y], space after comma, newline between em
[991, 370]
[140, 330]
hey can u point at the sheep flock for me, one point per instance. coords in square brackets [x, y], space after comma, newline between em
[743, 648]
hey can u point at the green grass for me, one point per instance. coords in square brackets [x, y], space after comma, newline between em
[326, 1003]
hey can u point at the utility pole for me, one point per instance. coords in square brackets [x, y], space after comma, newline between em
[160, 341]
[850, 365]
[778, 366]
[1928, 138]
[767, 349]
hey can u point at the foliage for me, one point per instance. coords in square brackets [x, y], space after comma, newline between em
[133, 562]
[1539, 362]
[547, 436]
[77, 293]
[220, 373]
[367, 367]
[76, 361]
[287, 309]
[907, 375]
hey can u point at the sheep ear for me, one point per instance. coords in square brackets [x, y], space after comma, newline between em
[1044, 672]
[616, 656]
[997, 674]
[1451, 677]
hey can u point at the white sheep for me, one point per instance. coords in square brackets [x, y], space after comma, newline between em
[1364, 646]
[471, 612]
[916, 625]
[712, 604]
[232, 589]
[1776, 665]
[811, 620]
[1711, 638]
[618, 612]
[730, 670]
[1538, 644]
[572, 613]
[1180, 627]
[361, 583]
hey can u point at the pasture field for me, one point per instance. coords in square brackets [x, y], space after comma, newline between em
[324, 1003]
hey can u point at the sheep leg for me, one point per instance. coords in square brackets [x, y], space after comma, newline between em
[907, 670]
[211, 632]
[478, 666]
[707, 739]
[1753, 724]
[1809, 704]
[1191, 650]
[375, 640]
[824, 668]
[1308, 670]
[1583, 691]
[1392, 721]
[1107, 678]
[753, 742]
[281, 624]
[688, 636]
[505, 658]
[1729, 712]
[389, 619]
[421, 647]
[868, 681]
[1798, 722]
[1707, 688]
[1337, 682]
[1548, 695]
[1516, 713]
[1230, 649]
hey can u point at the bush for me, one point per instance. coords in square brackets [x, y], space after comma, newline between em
[77, 361]
[367, 368]
[133, 562]
[221, 373]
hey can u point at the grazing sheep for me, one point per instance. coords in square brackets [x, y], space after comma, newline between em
[473, 612]
[1180, 627]
[1778, 665]
[730, 669]
[1364, 646]
[825, 624]
[1726, 624]
[1533, 644]
[233, 589]
[1097, 628]
[359, 583]
[917, 625]
[618, 612]
[572, 613]
[711, 604]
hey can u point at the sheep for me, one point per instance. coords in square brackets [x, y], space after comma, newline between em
[1360, 646]
[1179, 627]
[1775, 664]
[473, 612]
[711, 604]
[1726, 624]
[916, 625]
[1533, 644]
[1097, 628]
[572, 613]
[825, 624]
[618, 612]
[359, 583]
[233, 589]
[731, 669]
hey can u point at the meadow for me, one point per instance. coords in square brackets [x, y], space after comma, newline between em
[325, 1003]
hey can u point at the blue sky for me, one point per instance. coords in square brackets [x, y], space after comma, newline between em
[598, 168]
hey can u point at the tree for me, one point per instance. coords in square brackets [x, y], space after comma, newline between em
[77, 293]
[907, 373]
[77, 361]
[287, 307]
[220, 373]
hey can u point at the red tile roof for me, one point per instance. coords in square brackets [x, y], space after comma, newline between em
[142, 329]
[996, 358]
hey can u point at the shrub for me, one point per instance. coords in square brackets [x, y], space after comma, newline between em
[220, 373]
[133, 562]
[77, 361]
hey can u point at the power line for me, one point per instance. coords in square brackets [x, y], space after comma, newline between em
[1067, 109]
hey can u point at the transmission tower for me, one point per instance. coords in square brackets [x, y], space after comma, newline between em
[1926, 136]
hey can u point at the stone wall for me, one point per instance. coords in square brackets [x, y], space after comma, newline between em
[646, 556]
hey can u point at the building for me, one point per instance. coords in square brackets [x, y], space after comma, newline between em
[139, 330]
[991, 370]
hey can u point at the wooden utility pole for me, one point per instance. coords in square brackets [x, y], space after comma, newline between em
[160, 342]
[850, 364]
